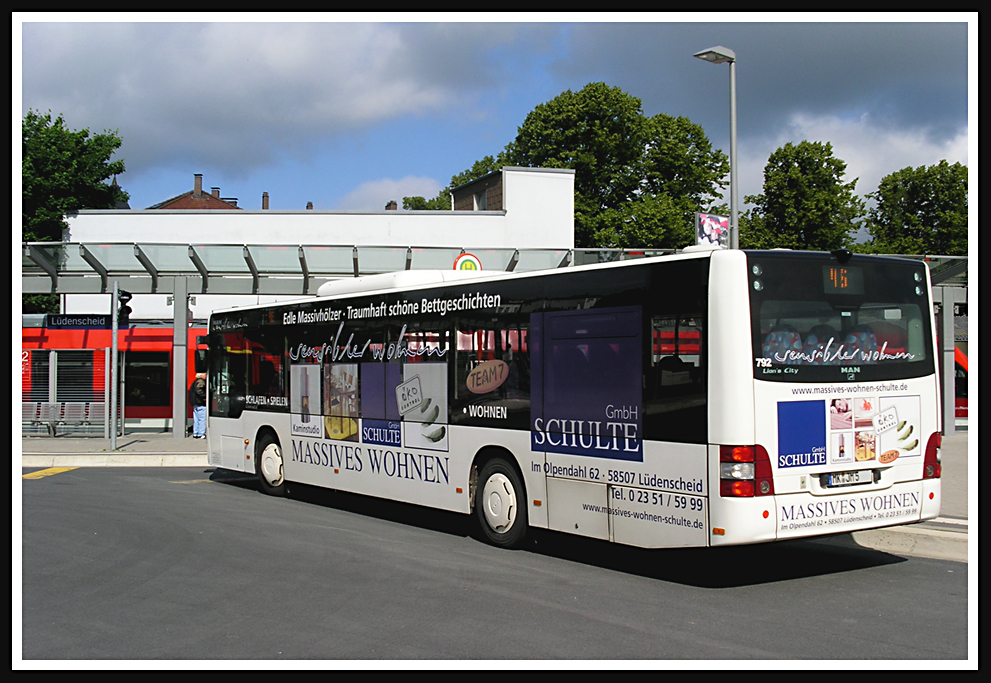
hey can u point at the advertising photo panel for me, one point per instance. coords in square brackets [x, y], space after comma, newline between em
[422, 401]
[341, 401]
[898, 427]
[866, 447]
[842, 447]
[864, 410]
[305, 399]
[841, 413]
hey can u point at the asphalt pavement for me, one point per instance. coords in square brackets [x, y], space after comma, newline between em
[943, 538]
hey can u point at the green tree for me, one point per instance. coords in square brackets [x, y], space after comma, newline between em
[62, 171]
[921, 211]
[805, 204]
[638, 179]
[418, 203]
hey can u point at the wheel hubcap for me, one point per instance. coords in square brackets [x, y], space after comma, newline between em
[271, 464]
[499, 503]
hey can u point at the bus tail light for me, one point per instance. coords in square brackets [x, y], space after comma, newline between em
[932, 468]
[745, 472]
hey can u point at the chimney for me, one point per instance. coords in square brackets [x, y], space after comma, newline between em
[309, 206]
[264, 201]
[197, 184]
[215, 191]
[392, 206]
[230, 200]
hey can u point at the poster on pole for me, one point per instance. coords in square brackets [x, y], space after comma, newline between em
[711, 229]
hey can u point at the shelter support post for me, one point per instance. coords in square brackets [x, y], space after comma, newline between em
[180, 356]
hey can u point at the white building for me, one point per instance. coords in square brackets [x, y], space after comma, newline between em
[515, 209]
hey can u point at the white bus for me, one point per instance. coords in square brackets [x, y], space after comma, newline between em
[699, 399]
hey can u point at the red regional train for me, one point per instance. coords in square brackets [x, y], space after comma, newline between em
[145, 351]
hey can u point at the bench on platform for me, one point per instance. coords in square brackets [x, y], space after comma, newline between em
[63, 414]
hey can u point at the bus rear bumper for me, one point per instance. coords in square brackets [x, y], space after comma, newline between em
[932, 490]
[803, 514]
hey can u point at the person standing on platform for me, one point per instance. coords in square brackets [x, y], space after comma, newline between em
[197, 399]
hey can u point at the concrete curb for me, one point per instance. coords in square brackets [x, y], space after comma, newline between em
[115, 460]
[916, 541]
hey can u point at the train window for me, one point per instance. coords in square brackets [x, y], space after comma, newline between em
[147, 380]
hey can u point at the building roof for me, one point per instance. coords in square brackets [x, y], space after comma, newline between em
[197, 199]
[188, 200]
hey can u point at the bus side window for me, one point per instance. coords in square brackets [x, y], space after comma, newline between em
[228, 370]
[676, 351]
[674, 384]
[265, 381]
[499, 351]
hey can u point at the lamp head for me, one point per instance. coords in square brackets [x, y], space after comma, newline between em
[717, 55]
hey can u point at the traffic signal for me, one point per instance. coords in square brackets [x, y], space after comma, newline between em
[123, 311]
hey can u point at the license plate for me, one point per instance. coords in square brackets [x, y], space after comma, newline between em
[850, 478]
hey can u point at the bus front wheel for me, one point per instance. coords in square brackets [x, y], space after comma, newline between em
[500, 504]
[268, 466]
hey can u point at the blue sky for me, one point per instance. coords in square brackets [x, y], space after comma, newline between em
[348, 112]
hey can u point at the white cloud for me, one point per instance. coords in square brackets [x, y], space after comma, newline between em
[373, 195]
[871, 151]
[238, 94]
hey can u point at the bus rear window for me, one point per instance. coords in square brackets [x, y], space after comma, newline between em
[817, 321]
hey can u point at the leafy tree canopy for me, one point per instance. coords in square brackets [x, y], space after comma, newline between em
[921, 211]
[805, 204]
[638, 179]
[418, 203]
[62, 171]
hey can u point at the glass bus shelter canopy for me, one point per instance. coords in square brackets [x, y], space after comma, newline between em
[78, 268]
[91, 268]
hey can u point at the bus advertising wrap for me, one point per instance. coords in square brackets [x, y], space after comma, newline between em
[386, 404]
[585, 385]
[848, 429]
[845, 454]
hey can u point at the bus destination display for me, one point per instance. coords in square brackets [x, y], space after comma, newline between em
[843, 280]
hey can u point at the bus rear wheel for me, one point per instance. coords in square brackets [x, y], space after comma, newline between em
[500, 504]
[268, 466]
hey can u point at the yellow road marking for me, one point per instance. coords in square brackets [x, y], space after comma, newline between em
[47, 473]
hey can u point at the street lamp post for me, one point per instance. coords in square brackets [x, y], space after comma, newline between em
[113, 367]
[720, 55]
